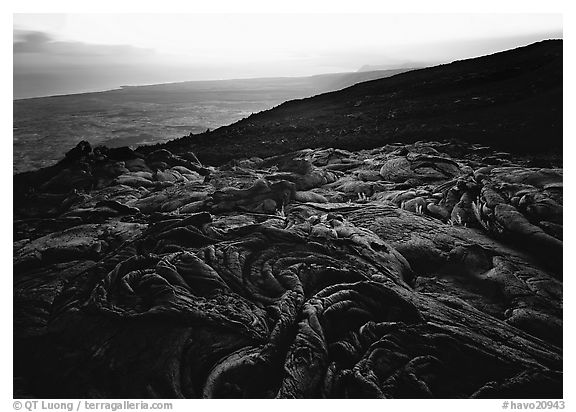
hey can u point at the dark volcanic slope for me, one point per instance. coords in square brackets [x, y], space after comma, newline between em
[512, 100]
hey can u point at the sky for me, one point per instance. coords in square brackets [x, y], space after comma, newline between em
[72, 53]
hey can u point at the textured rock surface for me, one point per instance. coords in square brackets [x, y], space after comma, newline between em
[403, 271]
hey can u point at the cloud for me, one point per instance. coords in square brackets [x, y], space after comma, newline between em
[44, 65]
[30, 41]
[38, 42]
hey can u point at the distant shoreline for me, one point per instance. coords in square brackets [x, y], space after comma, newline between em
[67, 94]
[128, 86]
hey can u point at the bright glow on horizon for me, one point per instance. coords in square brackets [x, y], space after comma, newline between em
[280, 36]
[101, 51]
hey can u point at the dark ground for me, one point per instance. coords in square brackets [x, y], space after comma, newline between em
[273, 267]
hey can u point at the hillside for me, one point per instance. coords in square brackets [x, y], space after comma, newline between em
[511, 100]
[45, 128]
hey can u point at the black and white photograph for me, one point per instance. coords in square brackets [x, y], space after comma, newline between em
[269, 205]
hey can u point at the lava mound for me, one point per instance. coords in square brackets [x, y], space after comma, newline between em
[398, 272]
